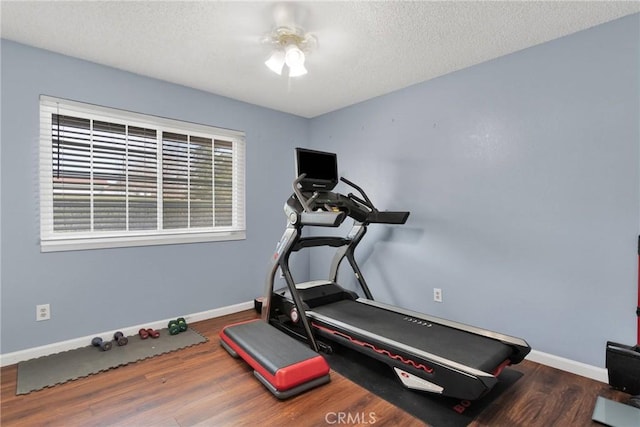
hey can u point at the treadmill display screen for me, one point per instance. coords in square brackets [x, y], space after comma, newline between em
[320, 168]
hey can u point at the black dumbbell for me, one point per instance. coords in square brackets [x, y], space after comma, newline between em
[120, 338]
[104, 345]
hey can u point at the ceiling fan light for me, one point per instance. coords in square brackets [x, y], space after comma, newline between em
[290, 45]
[276, 62]
[294, 56]
[297, 70]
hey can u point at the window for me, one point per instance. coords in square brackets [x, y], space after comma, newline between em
[112, 178]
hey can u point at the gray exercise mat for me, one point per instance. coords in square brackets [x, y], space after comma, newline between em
[47, 371]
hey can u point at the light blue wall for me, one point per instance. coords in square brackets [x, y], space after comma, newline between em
[98, 290]
[522, 178]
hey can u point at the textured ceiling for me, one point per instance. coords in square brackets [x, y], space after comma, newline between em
[365, 49]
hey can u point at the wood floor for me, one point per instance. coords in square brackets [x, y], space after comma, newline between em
[204, 386]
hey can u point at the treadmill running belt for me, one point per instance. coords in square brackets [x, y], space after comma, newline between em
[469, 349]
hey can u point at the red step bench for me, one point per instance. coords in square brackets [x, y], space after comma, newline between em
[284, 365]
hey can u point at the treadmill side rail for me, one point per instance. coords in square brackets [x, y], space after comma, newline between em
[398, 345]
[521, 345]
[454, 379]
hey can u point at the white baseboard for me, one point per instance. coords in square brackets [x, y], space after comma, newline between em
[568, 365]
[31, 353]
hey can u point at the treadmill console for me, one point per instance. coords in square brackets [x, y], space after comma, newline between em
[320, 169]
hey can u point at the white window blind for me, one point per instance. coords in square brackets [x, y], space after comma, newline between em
[111, 178]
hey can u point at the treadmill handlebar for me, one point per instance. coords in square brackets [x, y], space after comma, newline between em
[330, 209]
[375, 216]
[367, 202]
[303, 200]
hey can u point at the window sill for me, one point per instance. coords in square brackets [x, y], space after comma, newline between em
[77, 244]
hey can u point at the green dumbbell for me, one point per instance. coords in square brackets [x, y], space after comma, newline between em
[182, 323]
[174, 327]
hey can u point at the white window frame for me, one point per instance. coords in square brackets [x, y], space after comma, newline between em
[51, 241]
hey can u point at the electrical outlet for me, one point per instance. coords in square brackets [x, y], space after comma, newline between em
[43, 312]
[437, 294]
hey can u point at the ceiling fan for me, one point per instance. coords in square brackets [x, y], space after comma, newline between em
[289, 43]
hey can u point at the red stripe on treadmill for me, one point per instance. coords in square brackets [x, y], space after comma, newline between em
[288, 376]
[416, 365]
[500, 367]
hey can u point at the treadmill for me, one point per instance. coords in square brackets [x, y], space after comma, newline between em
[426, 353]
